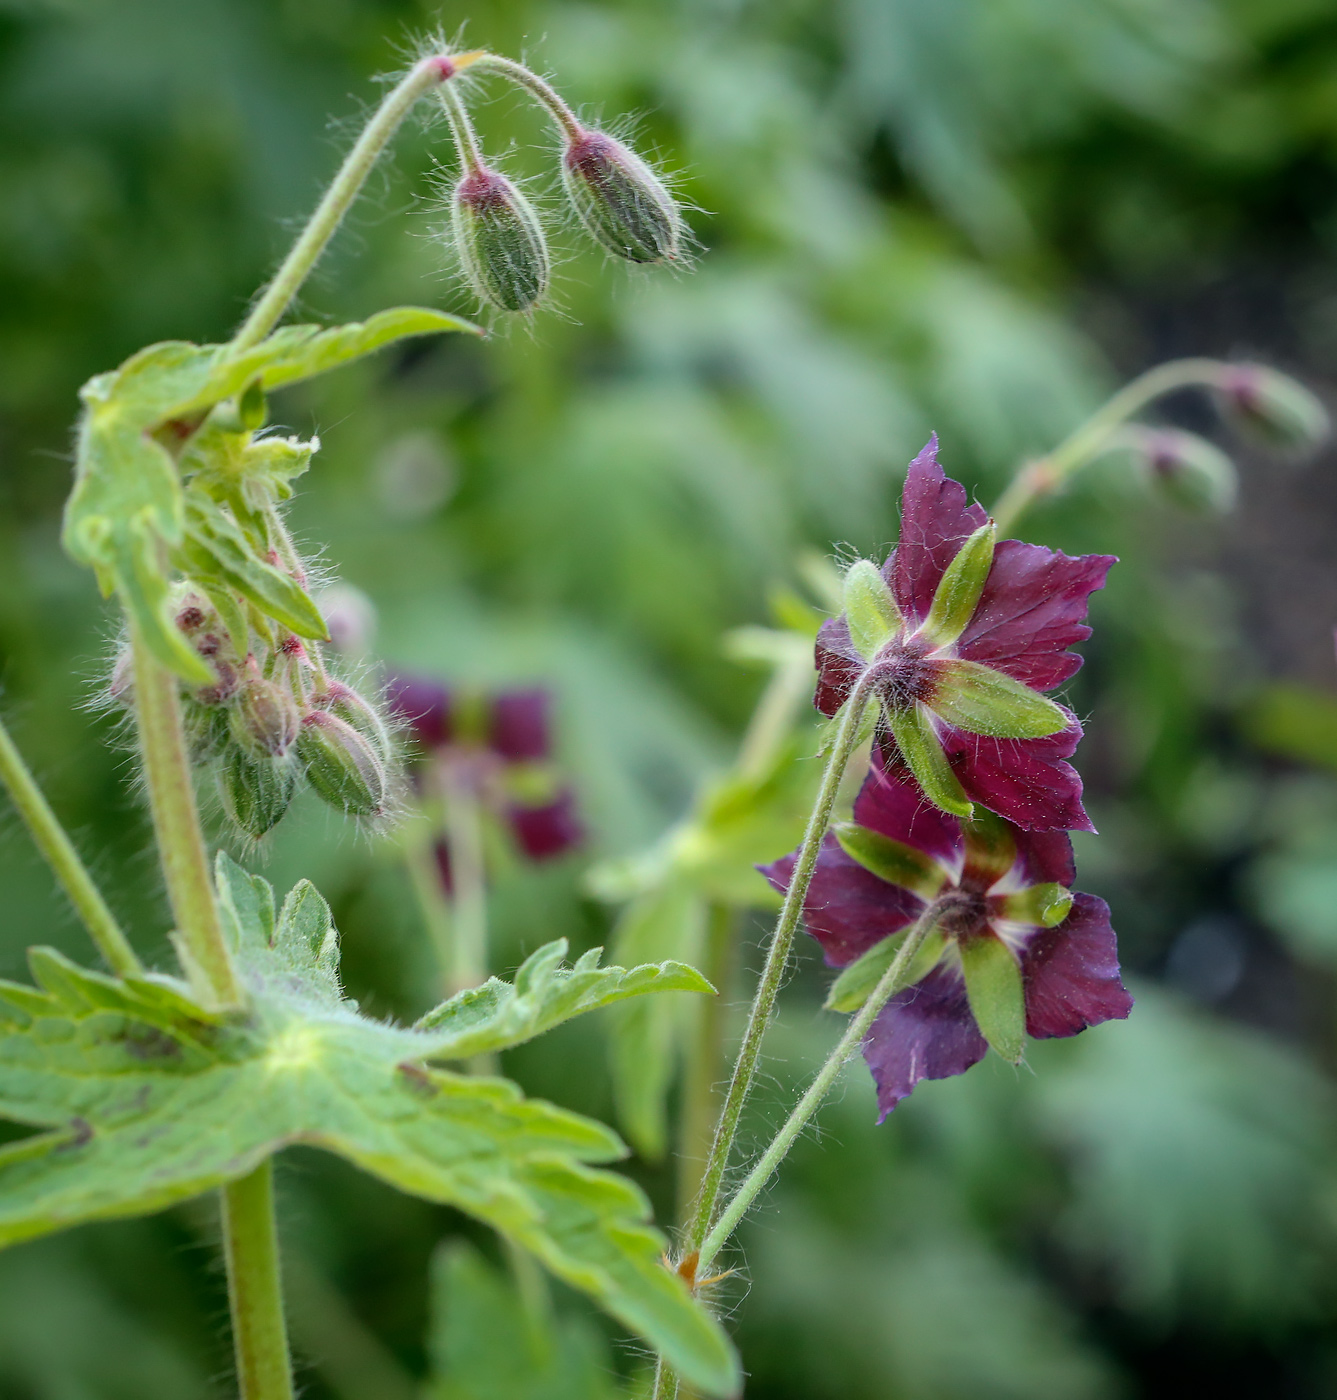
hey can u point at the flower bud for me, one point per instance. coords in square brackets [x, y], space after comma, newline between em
[121, 686]
[264, 719]
[208, 729]
[341, 765]
[623, 204]
[500, 240]
[256, 792]
[1189, 470]
[353, 708]
[1273, 407]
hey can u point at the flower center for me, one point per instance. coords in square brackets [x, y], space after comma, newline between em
[902, 674]
[965, 913]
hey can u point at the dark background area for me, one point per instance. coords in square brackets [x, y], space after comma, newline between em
[973, 216]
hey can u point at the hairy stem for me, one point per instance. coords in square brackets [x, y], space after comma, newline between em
[544, 93]
[847, 1047]
[425, 75]
[176, 824]
[255, 1290]
[56, 846]
[745, 1067]
[705, 1057]
[462, 129]
[1046, 474]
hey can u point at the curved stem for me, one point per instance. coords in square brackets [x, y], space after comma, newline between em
[1046, 474]
[545, 94]
[462, 129]
[176, 824]
[320, 228]
[847, 1047]
[53, 842]
[255, 1289]
[745, 1067]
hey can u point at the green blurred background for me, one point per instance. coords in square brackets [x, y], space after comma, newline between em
[976, 216]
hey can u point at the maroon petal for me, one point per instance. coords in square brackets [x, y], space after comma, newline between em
[1024, 780]
[936, 520]
[424, 705]
[924, 1032]
[894, 804]
[1045, 857]
[1031, 612]
[839, 665]
[547, 831]
[847, 908]
[518, 727]
[1072, 973]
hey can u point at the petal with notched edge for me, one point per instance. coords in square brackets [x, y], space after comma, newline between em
[1071, 973]
[924, 1032]
[936, 520]
[1032, 610]
[847, 909]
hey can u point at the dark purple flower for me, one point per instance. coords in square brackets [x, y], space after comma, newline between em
[500, 746]
[957, 636]
[1013, 952]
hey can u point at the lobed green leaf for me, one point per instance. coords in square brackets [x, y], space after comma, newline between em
[146, 1099]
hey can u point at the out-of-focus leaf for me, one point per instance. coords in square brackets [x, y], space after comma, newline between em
[489, 1342]
[1199, 1155]
[1294, 721]
[666, 922]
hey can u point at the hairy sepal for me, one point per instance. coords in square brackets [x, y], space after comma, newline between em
[870, 611]
[996, 995]
[891, 860]
[917, 740]
[958, 592]
[981, 700]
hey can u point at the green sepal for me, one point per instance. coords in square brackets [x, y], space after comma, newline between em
[915, 737]
[991, 848]
[856, 982]
[958, 592]
[148, 1100]
[891, 860]
[1043, 906]
[870, 610]
[981, 700]
[994, 989]
[216, 550]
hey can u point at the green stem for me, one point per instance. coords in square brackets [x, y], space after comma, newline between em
[545, 94]
[846, 1048]
[176, 823]
[462, 129]
[255, 1290]
[772, 721]
[51, 839]
[1046, 474]
[705, 1057]
[777, 957]
[320, 228]
[468, 878]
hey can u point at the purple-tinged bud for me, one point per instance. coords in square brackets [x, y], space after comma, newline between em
[1189, 470]
[353, 708]
[500, 240]
[341, 765]
[1273, 407]
[208, 729]
[256, 792]
[623, 204]
[121, 686]
[264, 719]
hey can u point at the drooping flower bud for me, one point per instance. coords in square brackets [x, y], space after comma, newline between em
[264, 718]
[256, 792]
[500, 240]
[1274, 407]
[341, 764]
[1188, 469]
[623, 204]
